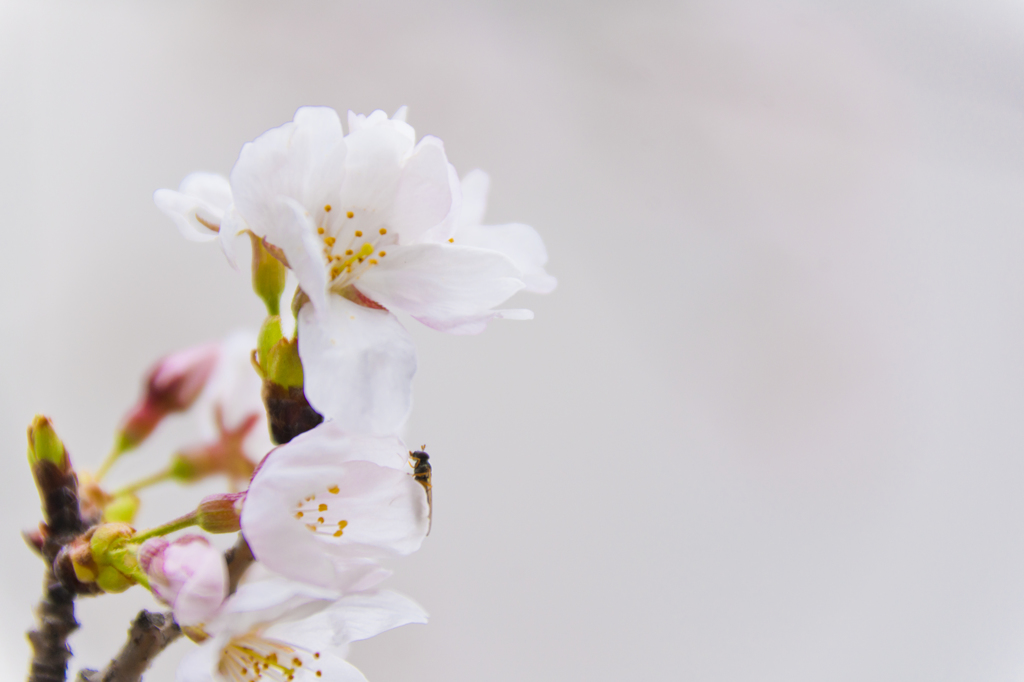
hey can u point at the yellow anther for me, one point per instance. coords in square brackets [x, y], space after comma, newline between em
[338, 533]
[359, 233]
[373, 262]
[298, 515]
[329, 241]
[320, 520]
[336, 270]
[451, 240]
[383, 230]
[334, 490]
[350, 214]
[320, 230]
[348, 252]
[323, 507]
[342, 523]
[382, 254]
[327, 208]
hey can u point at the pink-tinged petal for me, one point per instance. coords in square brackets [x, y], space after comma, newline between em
[424, 195]
[475, 186]
[199, 202]
[188, 574]
[310, 523]
[441, 282]
[520, 243]
[358, 364]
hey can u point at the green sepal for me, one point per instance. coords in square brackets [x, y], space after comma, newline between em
[284, 366]
[268, 275]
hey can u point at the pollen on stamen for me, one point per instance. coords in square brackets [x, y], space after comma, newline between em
[359, 233]
[329, 241]
[320, 520]
[320, 230]
[298, 515]
[327, 208]
[383, 230]
[451, 240]
[334, 490]
[382, 254]
[297, 663]
[323, 507]
[350, 214]
[349, 252]
[373, 262]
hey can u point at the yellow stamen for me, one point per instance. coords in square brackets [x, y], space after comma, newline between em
[383, 230]
[327, 208]
[350, 214]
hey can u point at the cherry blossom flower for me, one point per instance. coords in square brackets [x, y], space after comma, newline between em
[187, 574]
[370, 222]
[323, 507]
[282, 630]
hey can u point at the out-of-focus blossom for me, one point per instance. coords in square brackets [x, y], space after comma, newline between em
[329, 502]
[281, 630]
[172, 385]
[187, 574]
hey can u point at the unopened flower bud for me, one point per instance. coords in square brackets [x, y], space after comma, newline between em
[188, 574]
[220, 513]
[116, 562]
[172, 386]
[268, 275]
[44, 445]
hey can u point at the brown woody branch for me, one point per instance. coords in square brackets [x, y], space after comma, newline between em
[150, 634]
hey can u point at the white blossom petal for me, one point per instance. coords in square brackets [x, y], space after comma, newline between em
[520, 243]
[201, 197]
[358, 364]
[441, 282]
[476, 184]
[424, 194]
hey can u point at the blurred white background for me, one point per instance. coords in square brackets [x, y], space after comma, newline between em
[769, 426]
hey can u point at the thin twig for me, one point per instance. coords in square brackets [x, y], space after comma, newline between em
[239, 558]
[149, 635]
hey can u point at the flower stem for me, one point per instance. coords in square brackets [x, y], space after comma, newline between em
[152, 479]
[112, 457]
[190, 519]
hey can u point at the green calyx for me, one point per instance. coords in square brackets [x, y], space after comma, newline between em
[283, 366]
[268, 275]
[44, 444]
[114, 561]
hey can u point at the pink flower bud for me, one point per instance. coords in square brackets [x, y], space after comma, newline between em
[173, 385]
[188, 574]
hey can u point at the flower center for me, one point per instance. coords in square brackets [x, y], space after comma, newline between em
[250, 658]
[320, 516]
[348, 251]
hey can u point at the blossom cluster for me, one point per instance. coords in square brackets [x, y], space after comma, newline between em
[304, 417]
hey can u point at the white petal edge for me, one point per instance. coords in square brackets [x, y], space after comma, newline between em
[358, 365]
